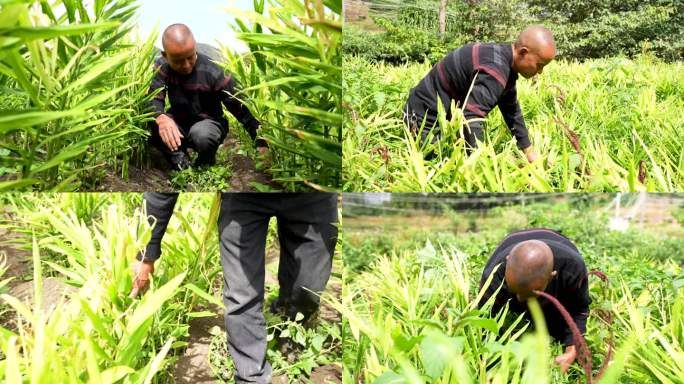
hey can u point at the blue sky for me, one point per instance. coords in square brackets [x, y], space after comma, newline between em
[205, 18]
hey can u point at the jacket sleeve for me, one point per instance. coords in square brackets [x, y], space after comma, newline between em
[227, 87]
[484, 96]
[510, 109]
[577, 302]
[158, 102]
[159, 207]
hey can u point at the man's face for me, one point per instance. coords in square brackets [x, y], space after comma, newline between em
[182, 59]
[531, 63]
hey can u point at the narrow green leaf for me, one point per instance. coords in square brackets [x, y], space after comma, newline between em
[31, 33]
[114, 374]
[156, 364]
[209, 298]
[13, 121]
[152, 302]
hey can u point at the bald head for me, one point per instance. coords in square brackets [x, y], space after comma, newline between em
[534, 48]
[179, 48]
[178, 35]
[536, 37]
[529, 267]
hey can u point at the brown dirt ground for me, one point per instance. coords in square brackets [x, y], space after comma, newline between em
[18, 261]
[19, 266]
[193, 366]
[325, 374]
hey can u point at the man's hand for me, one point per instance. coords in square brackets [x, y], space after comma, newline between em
[567, 358]
[169, 132]
[142, 270]
[531, 154]
[263, 156]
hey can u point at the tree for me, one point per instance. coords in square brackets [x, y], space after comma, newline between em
[442, 17]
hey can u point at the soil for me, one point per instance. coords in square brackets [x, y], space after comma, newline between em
[328, 313]
[53, 291]
[325, 374]
[244, 170]
[19, 266]
[193, 366]
[139, 180]
[155, 176]
[18, 261]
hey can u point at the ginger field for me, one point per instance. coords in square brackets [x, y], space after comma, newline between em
[410, 314]
[74, 254]
[600, 125]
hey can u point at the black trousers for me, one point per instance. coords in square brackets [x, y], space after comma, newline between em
[307, 235]
[204, 136]
[413, 117]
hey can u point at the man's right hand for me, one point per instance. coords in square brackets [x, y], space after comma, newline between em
[530, 154]
[567, 358]
[169, 132]
[142, 270]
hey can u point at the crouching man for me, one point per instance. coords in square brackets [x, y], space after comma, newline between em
[196, 88]
[541, 260]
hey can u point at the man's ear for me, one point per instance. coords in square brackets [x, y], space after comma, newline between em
[507, 256]
[523, 51]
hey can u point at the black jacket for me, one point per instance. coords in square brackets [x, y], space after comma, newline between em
[569, 286]
[451, 78]
[199, 95]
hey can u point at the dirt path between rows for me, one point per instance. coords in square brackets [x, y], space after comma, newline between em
[18, 260]
[20, 269]
[193, 366]
[156, 176]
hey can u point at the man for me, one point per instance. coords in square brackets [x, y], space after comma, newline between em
[196, 88]
[307, 236]
[542, 260]
[492, 69]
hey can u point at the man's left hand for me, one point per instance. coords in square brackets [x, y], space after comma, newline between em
[567, 358]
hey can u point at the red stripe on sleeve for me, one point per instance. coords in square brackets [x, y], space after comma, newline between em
[494, 73]
[476, 55]
[443, 79]
[475, 109]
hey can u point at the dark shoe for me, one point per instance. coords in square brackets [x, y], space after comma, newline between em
[289, 311]
[278, 307]
[311, 319]
[179, 160]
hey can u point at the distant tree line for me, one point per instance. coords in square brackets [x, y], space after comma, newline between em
[408, 204]
[583, 28]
